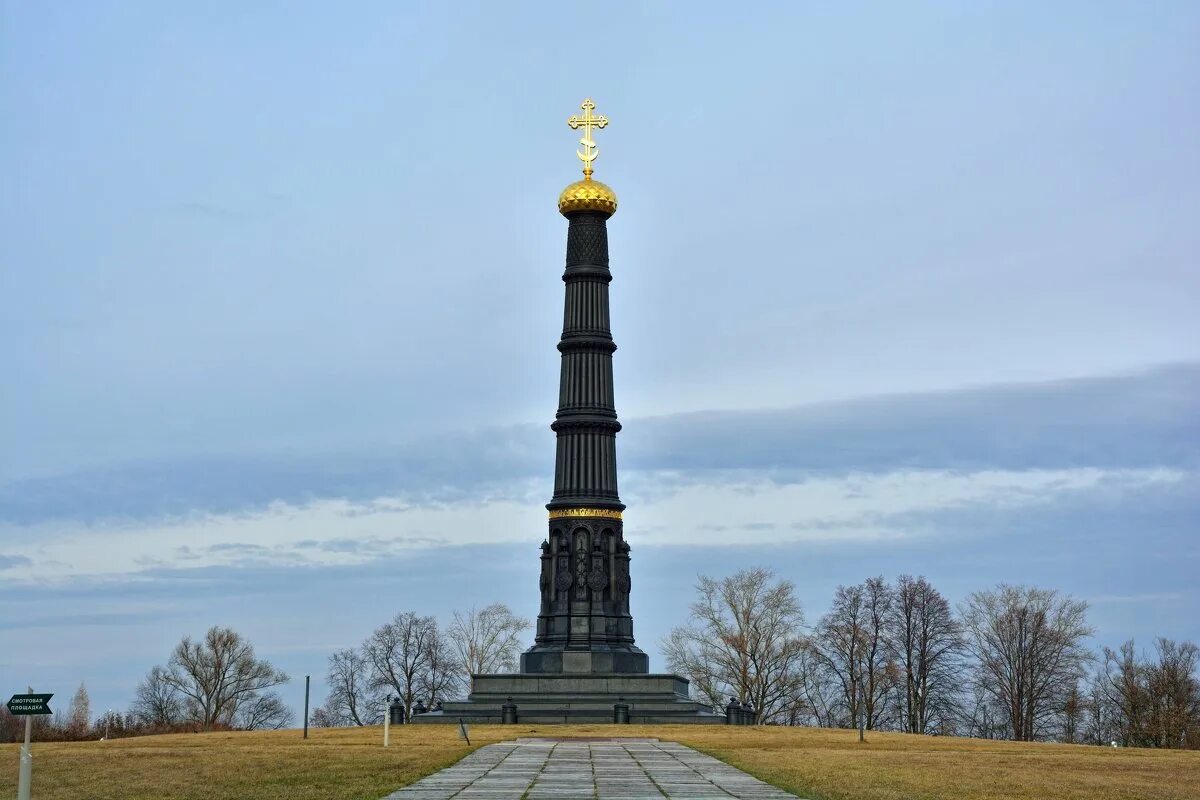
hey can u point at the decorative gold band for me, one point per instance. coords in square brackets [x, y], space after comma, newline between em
[607, 513]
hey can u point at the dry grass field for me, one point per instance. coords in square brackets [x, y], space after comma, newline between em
[820, 764]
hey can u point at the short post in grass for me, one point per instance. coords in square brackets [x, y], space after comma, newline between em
[463, 731]
[28, 706]
[25, 774]
[862, 714]
[306, 679]
[387, 724]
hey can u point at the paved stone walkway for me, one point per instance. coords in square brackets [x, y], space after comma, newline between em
[629, 769]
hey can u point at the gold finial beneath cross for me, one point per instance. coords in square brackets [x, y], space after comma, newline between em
[588, 121]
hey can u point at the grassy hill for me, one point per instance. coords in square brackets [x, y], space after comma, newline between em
[351, 764]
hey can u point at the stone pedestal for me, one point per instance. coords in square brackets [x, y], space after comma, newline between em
[582, 698]
[557, 661]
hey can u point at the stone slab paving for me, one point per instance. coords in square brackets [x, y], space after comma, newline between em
[616, 769]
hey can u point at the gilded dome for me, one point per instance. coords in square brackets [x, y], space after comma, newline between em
[587, 195]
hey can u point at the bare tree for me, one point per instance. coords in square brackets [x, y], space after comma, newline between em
[927, 643]
[1073, 710]
[1101, 718]
[157, 703]
[818, 701]
[982, 717]
[79, 716]
[851, 642]
[1175, 691]
[262, 710]
[329, 715]
[217, 675]
[11, 727]
[325, 717]
[400, 652]
[487, 640]
[1124, 686]
[112, 724]
[1029, 647]
[1156, 703]
[744, 640]
[442, 678]
[706, 675]
[354, 697]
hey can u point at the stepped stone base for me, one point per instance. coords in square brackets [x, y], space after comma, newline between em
[589, 698]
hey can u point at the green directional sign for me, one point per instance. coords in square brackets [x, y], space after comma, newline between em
[28, 705]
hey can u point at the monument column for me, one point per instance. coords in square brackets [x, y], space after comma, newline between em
[583, 666]
[584, 625]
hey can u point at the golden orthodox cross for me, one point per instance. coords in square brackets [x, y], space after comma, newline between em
[588, 121]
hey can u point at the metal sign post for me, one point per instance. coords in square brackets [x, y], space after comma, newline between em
[306, 677]
[27, 706]
[25, 773]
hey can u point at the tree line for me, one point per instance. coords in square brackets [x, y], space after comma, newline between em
[74, 724]
[413, 658]
[215, 682]
[1011, 662]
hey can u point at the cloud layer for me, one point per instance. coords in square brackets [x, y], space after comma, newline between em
[900, 467]
[1138, 421]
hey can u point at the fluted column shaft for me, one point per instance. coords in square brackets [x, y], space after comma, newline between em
[585, 467]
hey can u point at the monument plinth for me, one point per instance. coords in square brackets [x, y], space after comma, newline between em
[583, 663]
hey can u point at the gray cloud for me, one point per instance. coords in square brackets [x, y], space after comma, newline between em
[79, 620]
[1141, 420]
[1128, 421]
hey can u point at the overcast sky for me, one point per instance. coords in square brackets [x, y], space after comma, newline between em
[896, 289]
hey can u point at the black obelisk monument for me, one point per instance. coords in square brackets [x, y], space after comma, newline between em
[584, 623]
[583, 666]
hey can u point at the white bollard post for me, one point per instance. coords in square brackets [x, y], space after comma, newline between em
[387, 728]
[23, 776]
